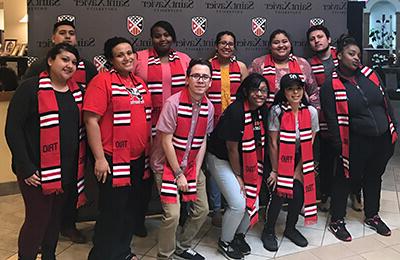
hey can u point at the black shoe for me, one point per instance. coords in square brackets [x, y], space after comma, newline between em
[325, 204]
[296, 237]
[269, 242]
[378, 225]
[188, 254]
[229, 251]
[338, 229]
[74, 235]
[240, 243]
[140, 231]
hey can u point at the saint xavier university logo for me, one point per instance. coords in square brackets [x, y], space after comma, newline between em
[258, 25]
[100, 62]
[135, 24]
[199, 25]
[316, 21]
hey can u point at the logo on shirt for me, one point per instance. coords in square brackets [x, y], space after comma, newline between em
[136, 97]
[135, 24]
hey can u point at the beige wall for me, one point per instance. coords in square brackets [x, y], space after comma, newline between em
[6, 174]
[14, 10]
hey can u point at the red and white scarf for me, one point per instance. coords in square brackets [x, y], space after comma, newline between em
[50, 152]
[269, 73]
[214, 93]
[154, 80]
[286, 161]
[80, 75]
[169, 189]
[253, 161]
[121, 104]
[318, 70]
[342, 111]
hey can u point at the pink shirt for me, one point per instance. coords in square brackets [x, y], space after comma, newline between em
[140, 69]
[311, 86]
[167, 124]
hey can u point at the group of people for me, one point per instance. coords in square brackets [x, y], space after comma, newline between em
[158, 115]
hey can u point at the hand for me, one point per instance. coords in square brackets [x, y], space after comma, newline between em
[33, 180]
[241, 184]
[101, 169]
[181, 182]
[273, 176]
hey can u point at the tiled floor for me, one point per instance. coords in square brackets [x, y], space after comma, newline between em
[366, 243]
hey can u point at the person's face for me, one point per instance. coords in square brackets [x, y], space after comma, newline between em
[294, 94]
[350, 57]
[199, 86]
[257, 96]
[280, 47]
[65, 33]
[123, 58]
[225, 46]
[161, 40]
[63, 66]
[318, 41]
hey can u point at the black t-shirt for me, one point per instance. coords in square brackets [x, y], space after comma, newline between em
[231, 128]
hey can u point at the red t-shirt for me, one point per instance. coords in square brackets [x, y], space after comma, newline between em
[98, 100]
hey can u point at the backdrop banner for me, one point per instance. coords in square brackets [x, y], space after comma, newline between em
[196, 23]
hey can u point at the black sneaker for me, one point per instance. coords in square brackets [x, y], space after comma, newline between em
[378, 225]
[269, 242]
[240, 243]
[229, 251]
[338, 229]
[296, 237]
[188, 254]
[325, 204]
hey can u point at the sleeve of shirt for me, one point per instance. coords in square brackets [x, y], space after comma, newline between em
[167, 120]
[210, 124]
[185, 59]
[35, 69]
[273, 118]
[232, 125]
[311, 84]
[97, 95]
[314, 119]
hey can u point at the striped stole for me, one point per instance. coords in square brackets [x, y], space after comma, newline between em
[154, 80]
[169, 189]
[214, 93]
[121, 104]
[286, 159]
[342, 112]
[253, 161]
[80, 75]
[269, 73]
[318, 70]
[50, 150]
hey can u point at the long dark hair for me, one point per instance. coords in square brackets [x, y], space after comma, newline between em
[280, 97]
[252, 81]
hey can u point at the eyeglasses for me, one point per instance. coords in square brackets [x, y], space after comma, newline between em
[197, 77]
[263, 91]
[224, 44]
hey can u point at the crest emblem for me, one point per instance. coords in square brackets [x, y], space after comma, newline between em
[100, 62]
[199, 25]
[316, 21]
[134, 24]
[66, 17]
[258, 25]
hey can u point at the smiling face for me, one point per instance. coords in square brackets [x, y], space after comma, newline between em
[280, 47]
[225, 46]
[161, 39]
[64, 33]
[294, 94]
[257, 96]
[63, 66]
[123, 58]
[350, 57]
[318, 41]
[198, 88]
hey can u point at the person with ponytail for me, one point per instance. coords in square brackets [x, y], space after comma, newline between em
[363, 131]
[281, 61]
[227, 74]
[117, 113]
[235, 160]
[46, 136]
[292, 125]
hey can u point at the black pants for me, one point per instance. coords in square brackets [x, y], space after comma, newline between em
[368, 159]
[327, 165]
[294, 208]
[115, 223]
[42, 222]
[69, 211]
